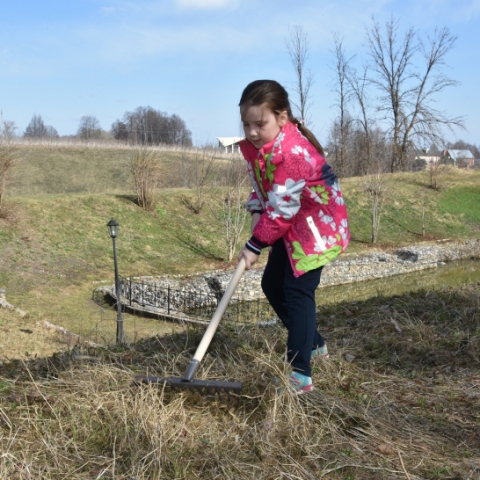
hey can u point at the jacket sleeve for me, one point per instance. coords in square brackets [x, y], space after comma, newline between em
[253, 204]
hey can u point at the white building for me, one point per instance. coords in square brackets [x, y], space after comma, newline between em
[229, 144]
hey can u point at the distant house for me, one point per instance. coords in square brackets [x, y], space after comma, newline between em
[460, 158]
[229, 144]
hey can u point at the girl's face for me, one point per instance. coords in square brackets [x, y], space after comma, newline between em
[261, 125]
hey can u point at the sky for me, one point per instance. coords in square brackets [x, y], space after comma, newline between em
[66, 59]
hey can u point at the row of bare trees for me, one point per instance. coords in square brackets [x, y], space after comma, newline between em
[143, 126]
[384, 97]
[387, 98]
[89, 127]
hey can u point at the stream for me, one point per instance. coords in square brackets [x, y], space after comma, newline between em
[448, 274]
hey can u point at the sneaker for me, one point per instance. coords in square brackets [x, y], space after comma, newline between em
[321, 352]
[300, 383]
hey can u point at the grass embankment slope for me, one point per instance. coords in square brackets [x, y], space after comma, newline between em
[398, 399]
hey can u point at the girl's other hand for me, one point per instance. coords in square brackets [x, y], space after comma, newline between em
[249, 256]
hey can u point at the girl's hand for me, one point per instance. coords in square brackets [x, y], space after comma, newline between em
[249, 256]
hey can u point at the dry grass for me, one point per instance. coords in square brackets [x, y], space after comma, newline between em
[399, 399]
[107, 144]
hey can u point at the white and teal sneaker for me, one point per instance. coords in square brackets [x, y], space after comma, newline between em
[321, 352]
[300, 383]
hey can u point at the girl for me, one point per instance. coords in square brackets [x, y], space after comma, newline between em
[298, 210]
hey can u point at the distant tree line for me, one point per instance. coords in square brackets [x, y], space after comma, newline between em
[143, 126]
[146, 126]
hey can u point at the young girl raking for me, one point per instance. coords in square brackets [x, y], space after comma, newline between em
[297, 210]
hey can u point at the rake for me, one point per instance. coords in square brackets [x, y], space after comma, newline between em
[188, 381]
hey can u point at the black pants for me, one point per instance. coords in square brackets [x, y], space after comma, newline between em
[293, 300]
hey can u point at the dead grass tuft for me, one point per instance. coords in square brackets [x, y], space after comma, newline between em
[9, 214]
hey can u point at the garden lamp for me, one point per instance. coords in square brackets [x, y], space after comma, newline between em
[113, 230]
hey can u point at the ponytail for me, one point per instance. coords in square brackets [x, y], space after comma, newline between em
[309, 136]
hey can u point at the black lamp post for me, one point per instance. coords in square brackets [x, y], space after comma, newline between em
[113, 230]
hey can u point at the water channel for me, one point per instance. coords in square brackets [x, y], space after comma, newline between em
[448, 274]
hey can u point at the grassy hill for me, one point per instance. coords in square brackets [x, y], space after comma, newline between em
[92, 168]
[398, 398]
[85, 168]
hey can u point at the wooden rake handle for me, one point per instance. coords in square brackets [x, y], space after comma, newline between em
[217, 316]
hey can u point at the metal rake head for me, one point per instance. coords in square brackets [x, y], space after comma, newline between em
[201, 386]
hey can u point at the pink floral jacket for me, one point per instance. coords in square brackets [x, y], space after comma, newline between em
[299, 198]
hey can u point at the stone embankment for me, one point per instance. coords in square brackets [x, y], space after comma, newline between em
[348, 268]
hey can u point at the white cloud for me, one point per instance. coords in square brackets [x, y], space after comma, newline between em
[205, 3]
[126, 43]
[108, 10]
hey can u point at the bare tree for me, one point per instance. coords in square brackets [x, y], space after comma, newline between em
[423, 211]
[358, 84]
[36, 127]
[89, 128]
[146, 170]
[51, 132]
[9, 129]
[355, 141]
[119, 130]
[343, 94]
[434, 169]
[201, 165]
[9, 158]
[408, 87]
[297, 48]
[376, 187]
[232, 213]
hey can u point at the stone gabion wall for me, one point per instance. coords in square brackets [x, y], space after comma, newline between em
[346, 269]
[166, 294]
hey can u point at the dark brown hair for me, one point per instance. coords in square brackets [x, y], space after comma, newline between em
[275, 97]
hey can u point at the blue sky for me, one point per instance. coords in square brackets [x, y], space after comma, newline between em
[64, 59]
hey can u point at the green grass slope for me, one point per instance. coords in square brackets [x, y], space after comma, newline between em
[53, 247]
